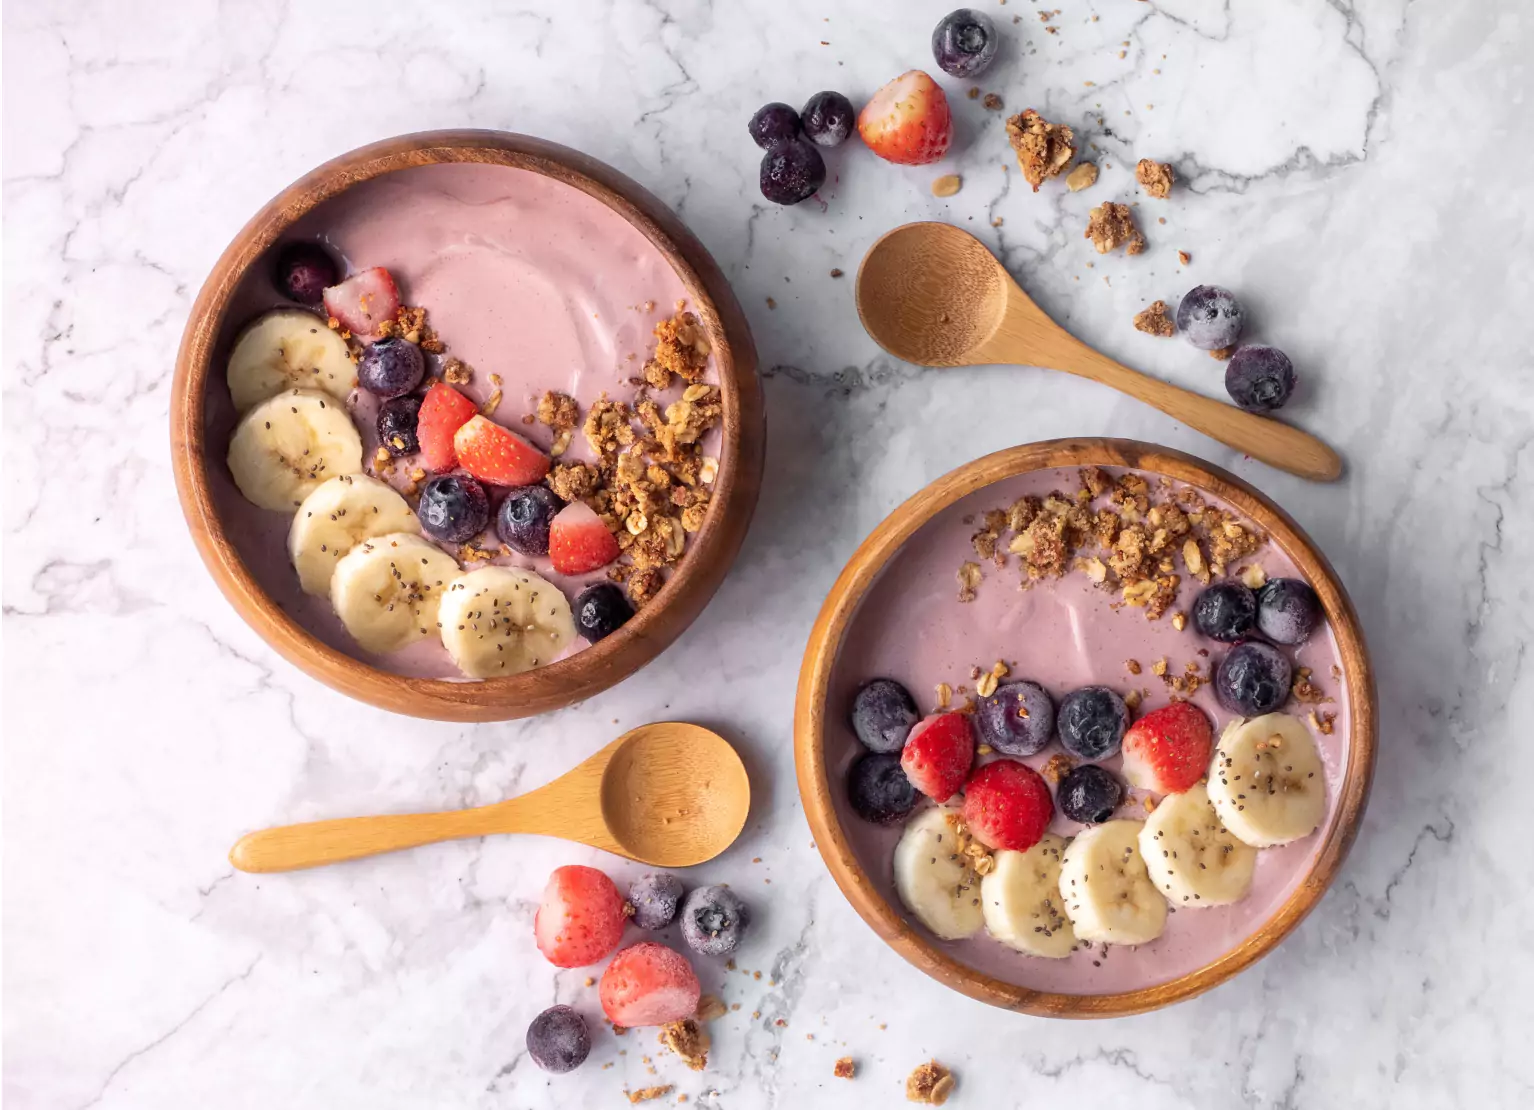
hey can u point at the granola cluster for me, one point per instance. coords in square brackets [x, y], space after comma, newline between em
[1043, 149]
[689, 1040]
[1154, 177]
[411, 325]
[1155, 321]
[681, 348]
[930, 1083]
[1111, 225]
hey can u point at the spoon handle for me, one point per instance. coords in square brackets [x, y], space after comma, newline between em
[291, 847]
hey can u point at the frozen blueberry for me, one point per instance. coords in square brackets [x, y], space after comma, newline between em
[600, 610]
[1092, 722]
[1252, 679]
[1018, 719]
[773, 124]
[964, 43]
[828, 118]
[1088, 794]
[397, 419]
[882, 715]
[303, 272]
[557, 1040]
[1226, 611]
[391, 368]
[453, 508]
[655, 897]
[1209, 317]
[791, 172]
[1288, 610]
[1259, 379]
[713, 920]
[524, 518]
[878, 789]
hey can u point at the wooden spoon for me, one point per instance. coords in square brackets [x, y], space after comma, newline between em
[933, 294]
[670, 795]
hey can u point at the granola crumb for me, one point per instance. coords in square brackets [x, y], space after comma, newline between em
[1132, 700]
[1159, 666]
[969, 578]
[771, 303]
[1179, 621]
[836, 271]
[1132, 666]
[1155, 321]
[1043, 149]
[1221, 354]
[944, 695]
[710, 1008]
[992, 102]
[947, 185]
[1322, 722]
[845, 1068]
[559, 411]
[646, 1094]
[1184, 257]
[1057, 767]
[1112, 225]
[687, 1039]
[1084, 176]
[590, 981]
[930, 1083]
[974, 92]
[1154, 177]
[457, 372]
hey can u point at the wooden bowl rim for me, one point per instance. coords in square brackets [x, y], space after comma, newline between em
[862, 570]
[711, 550]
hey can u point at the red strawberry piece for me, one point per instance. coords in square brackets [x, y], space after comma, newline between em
[1168, 749]
[648, 984]
[498, 455]
[363, 301]
[581, 917]
[579, 541]
[908, 121]
[443, 412]
[1007, 805]
[938, 753]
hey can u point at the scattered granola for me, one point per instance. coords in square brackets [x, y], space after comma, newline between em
[992, 102]
[646, 1094]
[687, 1039]
[1184, 257]
[930, 1083]
[1155, 321]
[1222, 354]
[845, 1068]
[969, 578]
[1043, 149]
[456, 372]
[681, 348]
[1057, 767]
[1304, 690]
[410, 324]
[1154, 177]
[1084, 176]
[1112, 225]
[947, 185]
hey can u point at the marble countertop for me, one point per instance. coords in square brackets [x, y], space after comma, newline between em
[1354, 168]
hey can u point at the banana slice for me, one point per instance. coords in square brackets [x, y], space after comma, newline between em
[499, 621]
[1022, 903]
[288, 349]
[288, 445]
[1109, 897]
[1267, 783]
[339, 514]
[386, 590]
[1191, 857]
[939, 889]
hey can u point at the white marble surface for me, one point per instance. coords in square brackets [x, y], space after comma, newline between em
[1357, 169]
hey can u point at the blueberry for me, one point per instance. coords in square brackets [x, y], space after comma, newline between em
[1288, 610]
[303, 272]
[773, 124]
[882, 715]
[1018, 719]
[557, 1040]
[524, 517]
[453, 508]
[1226, 611]
[391, 368]
[655, 897]
[397, 419]
[600, 610]
[1209, 317]
[791, 172]
[1092, 722]
[828, 118]
[1088, 794]
[964, 43]
[1259, 379]
[1252, 679]
[713, 920]
[878, 789]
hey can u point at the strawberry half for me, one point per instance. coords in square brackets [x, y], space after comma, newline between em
[938, 753]
[363, 301]
[1168, 749]
[908, 121]
[580, 919]
[1007, 805]
[443, 412]
[498, 455]
[579, 541]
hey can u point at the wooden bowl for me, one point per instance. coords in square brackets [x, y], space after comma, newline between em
[816, 707]
[711, 551]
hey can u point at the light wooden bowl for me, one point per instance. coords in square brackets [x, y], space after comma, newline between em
[711, 551]
[814, 706]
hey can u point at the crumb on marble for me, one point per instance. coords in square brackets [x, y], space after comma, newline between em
[1154, 177]
[1084, 176]
[1155, 321]
[929, 1083]
[844, 1068]
[1112, 225]
[1043, 149]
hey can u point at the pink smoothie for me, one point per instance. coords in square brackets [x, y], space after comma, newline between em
[521, 276]
[1063, 634]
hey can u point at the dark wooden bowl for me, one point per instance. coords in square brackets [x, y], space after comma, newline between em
[815, 678]
[711, 550]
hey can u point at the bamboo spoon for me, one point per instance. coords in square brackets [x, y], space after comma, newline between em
[933, 294]
[670, 795]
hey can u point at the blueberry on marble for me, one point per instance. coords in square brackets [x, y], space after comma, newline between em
[1017, 719]
[1288, 610]
[391, 367]
[655, 897]
[453, 508]
[883, 712]
[878, 789]
[558, 1040]
[1209, 317]
[600, 610]
[713, 920]
[1252, 679]
[524, 518]
[303, 272]
[397, 420]
[1226, 611]
[773, 124]
[1259, 379]
[1089, 794]
[828, 118]
[791, 172]
[1092, 722]
[964, 43]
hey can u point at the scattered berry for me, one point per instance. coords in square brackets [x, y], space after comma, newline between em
[1259, 379]
[1209, 317]
[648, 984]
[1007, 805]
[443, 412]
[453, 508]
[964, 43]
[879, 790]
[363, 301]
[579, 541]
[303, 272]
[558, 1041]
[524, 517]
[828, 118]
[1226, 611]
[791, 172]
[938, 754]
[655, 897]
[580, 919]
[1089, 794]
[1092, 721]
[1167, 751]
[391, 368]
[773, 124]
[600, 610]
[1018, 719]
[713, 920]
[908, 121]
[397, 419]
[1288, 610]
[1252, 679]
[883, 713]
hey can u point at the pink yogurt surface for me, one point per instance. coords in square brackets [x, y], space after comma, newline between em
[521, 276]
[1062, 634]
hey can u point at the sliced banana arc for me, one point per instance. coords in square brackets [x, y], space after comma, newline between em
[288, 349]
[1268, 783]
[387, 590]
[933, 881]
[501, 621]
[286, 446]
[338, 515]
[1108, 893]
[1191, 856]
[1022, 902]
